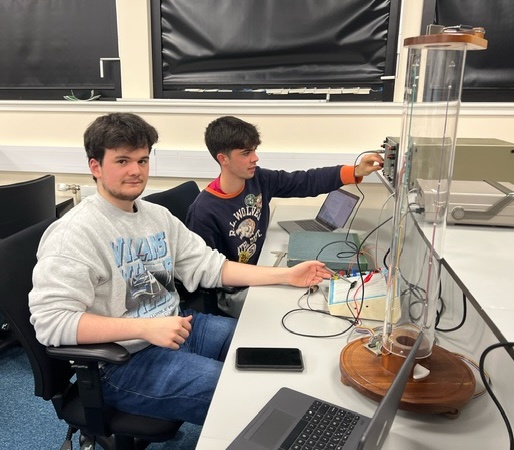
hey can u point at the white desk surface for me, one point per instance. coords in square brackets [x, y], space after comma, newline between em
[482, 258]
[240, 395]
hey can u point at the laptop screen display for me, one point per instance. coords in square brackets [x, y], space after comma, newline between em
[337, 208]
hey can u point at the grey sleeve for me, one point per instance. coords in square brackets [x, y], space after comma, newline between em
[196, 263]
[62, 292]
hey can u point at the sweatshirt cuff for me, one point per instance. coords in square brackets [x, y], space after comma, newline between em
[347, 176]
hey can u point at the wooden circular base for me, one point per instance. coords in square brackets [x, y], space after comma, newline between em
[450, 385]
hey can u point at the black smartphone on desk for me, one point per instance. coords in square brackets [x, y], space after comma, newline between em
[269, 358]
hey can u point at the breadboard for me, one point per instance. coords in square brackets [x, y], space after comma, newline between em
[345, 300]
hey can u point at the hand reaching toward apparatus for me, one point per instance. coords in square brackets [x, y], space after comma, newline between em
[308, 273]
[301, 275]
[370, 162]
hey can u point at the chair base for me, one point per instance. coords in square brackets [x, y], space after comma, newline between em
[112, 443]
[7, 338]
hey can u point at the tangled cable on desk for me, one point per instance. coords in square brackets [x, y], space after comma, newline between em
[310, 309]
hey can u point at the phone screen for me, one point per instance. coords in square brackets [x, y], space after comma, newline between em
[269, 358]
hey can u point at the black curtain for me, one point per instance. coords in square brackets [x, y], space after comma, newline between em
[55, 45]
[239, 44]
[488, 74]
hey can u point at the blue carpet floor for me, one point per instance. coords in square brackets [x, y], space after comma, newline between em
[28, 422]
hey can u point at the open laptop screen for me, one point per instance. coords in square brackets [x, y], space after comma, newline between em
[337, 208]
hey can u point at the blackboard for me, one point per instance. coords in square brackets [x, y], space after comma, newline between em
[50, 47]
[245, 47]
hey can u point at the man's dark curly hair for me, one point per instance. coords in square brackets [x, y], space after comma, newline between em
[228, 133]
[117, 130]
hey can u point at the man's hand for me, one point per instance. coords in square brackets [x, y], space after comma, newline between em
[308, 273]
[370, 162]
[170, 332]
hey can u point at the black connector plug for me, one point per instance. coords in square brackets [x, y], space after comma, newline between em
[313, 289]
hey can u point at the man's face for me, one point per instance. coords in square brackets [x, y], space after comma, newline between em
[240, 163]
[123, 175]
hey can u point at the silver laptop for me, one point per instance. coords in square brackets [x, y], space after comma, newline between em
[334, 213]
[289, 420]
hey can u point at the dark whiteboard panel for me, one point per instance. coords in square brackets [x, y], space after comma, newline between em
[54, 45]
[252, 44]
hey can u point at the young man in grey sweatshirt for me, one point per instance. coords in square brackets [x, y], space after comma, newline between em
[106, 273]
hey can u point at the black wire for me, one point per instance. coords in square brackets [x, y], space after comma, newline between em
[417, 293]
[357, 252]
[385, 258]
[355, 317]
[489, 390]
[351, 244]
[347, 253]
[317, 311]
[372, 231]
[358, 188]
[464, 314]
[343, 254]
[439, 313]
[414, 289]
[309, 308]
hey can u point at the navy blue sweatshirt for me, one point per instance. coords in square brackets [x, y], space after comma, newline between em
[236, 224]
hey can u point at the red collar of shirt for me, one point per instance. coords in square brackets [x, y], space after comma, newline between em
[215, 185]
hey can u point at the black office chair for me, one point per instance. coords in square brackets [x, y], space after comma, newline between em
[79, 402]
[177, 199]
[22, 205]
[26, 203]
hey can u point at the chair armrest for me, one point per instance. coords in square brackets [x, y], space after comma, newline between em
[109, 352]
[84, 360]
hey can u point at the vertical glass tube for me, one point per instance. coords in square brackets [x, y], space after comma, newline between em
[423, 177]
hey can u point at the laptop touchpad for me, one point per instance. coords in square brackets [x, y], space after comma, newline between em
[268, 432]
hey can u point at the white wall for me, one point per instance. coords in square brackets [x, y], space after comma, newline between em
[286, 126]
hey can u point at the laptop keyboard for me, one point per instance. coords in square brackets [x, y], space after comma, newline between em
[310, 225]
[323, 426]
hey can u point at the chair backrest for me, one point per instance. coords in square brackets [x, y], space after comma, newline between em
[26, 203]
[17, 261]
[177, 199]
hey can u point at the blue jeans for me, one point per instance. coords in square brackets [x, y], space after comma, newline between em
[172, 384]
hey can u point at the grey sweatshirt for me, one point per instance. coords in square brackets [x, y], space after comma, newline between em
[105, 261]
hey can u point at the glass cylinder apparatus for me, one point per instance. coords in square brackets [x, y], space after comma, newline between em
[423, 177]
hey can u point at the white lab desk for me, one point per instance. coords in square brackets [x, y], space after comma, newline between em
[240, 395]
[479, 259]
[482, 261]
